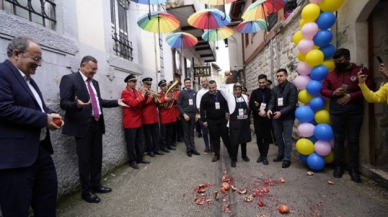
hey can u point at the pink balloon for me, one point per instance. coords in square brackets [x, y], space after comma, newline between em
[306, 129]
[322, 148]
[305, 45]
[309, 30]
[303, 68]
[316, 1]
[301, 81]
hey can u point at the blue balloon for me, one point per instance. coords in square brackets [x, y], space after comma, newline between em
[313, 122]
[314, 87]
[313, 139]
[304, 114]
[325, 20]
[323, 132]
[317, 103]
[323, 38]
[315, 162]
[319, 73]
[303, 158]
[328, 51]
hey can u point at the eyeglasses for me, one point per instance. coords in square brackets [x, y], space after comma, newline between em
[36, 59]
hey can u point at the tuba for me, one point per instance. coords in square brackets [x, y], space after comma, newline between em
[168, 105]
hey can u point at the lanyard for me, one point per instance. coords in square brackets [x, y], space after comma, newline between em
[263, 94]
[215, 96]
[189, 93]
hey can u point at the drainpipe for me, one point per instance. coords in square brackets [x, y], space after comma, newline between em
[271, 53]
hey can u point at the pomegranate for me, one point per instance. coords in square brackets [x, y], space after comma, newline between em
[226, 186]
[260, 203]
[265, 189]
[242, 191]
[283, 209]
[222, 190]
[233, 187]
[216, 195]
[57, 121]
[282, 180]
[248, 198]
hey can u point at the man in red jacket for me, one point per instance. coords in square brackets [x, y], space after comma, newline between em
[132, 121]
[346, 110]
[167, 118]
[150, 121]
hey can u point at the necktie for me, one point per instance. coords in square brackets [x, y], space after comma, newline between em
[94, 102]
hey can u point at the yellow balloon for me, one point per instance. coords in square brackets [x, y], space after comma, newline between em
[329, 64]
[322, 117]
[331, 5]
[304, 96]
[301, 56]
[316, 47]
[297, 37]
[301, 23]
[329, 158]
[310, 12]
[314, 58]
[305, 146]
[327, 105]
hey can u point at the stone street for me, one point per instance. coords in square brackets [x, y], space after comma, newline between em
[166, 188]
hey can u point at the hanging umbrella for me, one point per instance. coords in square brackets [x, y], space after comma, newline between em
[181, 40]
[209, 19]
[217, 34]
[149, 2]
[217, 2]
[158, 22]
[252, 26]
[262, 9]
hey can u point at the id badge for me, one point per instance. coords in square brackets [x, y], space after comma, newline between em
[217, 105]
[263, 105]
[280, 101]
[190, 101]
[241, 112]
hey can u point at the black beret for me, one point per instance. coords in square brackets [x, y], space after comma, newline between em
[147, 80]
[162, 82]
[130, 78]
[244, 89]
[269, 82]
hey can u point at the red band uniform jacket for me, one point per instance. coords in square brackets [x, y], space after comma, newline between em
[166, 115]
[132, 115]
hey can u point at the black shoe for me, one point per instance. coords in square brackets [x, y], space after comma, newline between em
[265, 161]
[179, 140]
[355, 175]
[286, 164]
[151, 154]
[101, 189]
[233, 163]
[90, 197]
[189, 154]
[338, 171]
[165, 150]
[245, 158]
[173, 144]
[171, 148]
[142, 161]
[195, 152]
[134, 165]
[158, 153]
[260, 159]
[199, 135]
[215, 158]
[278, 158]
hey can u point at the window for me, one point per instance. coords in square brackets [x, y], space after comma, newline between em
[121, 44]
[37, 11]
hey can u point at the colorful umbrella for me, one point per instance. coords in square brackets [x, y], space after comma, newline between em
[149, 2]
[262, 9]
[158, 22]
[217, 34]
[209, 19]
[217, 2]
[252, 26]
[181, 40]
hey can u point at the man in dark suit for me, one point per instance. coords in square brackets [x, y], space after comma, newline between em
[27, 172]
[81, 99]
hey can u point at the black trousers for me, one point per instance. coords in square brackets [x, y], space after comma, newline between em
[234, 151]
[346, 126]
[151, 134]
[134, 140]
[166, 134]
[263, 129]
[217, 129]
[89, 151]
[198, 127]
[178, 131]
[34, 186]
[188, 132]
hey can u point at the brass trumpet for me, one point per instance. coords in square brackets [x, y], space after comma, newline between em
[168, 105]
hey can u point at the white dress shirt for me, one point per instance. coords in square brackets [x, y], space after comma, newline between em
[94, 90]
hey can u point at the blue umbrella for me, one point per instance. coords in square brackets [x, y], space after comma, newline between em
[150, 2]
